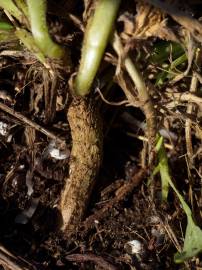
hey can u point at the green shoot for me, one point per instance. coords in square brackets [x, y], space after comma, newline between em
[29, 43]
[163, 168]
[163, 50]
[37, 16]
[96, 38]
[193, 235]
[11, 8]
[169, 72]
[143, 94]
[22, 6]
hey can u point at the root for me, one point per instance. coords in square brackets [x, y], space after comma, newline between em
[86, 156]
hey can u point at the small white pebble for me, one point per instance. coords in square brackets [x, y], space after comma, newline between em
[9, 138]
[21, 167]
[56, 152]
[14, 182]
[164, 65]
[151, 76]
[3, 128]
[134, 247]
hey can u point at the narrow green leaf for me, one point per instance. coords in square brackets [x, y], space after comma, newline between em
[192, 242]
[5, 26]
[163, 167]
[163, 50]
[193, 235]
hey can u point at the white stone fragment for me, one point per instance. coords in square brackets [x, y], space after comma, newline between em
[9, 138]
[3, 129]
[134, 247]
[56, 152]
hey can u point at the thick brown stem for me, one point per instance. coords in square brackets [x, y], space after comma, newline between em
[85, 160]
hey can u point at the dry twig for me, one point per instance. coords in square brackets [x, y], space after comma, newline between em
[30, 123]
[183, 97]
[11, 262]
[98, 260]
[188, 122]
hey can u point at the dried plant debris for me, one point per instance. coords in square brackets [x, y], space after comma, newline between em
[148, 22]
[110, 179]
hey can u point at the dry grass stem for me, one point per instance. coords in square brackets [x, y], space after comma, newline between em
[188, 122]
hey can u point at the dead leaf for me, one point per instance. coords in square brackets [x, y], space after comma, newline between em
[149, 22]
[181, 17]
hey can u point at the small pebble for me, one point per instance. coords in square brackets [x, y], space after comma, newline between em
[3, 129]
[134, 247]
[56, 153]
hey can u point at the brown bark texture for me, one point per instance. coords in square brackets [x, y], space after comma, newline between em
[85, 161]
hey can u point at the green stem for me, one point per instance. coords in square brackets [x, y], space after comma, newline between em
[37, 16]
[96, 37]
[29, 43]
[132, 70]
[11, 8]
[22, 6]
[143, 94]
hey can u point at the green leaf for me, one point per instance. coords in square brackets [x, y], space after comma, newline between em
[193, 235]
[5, 26]
[163, 167]
[192, 242]
[164, 49]
[29, 42]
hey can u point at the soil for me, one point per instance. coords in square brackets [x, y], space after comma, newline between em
[126, 203]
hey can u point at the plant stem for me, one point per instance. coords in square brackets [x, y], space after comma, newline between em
[22, 6]
[29, 42]
[37, 16]
[10, 7]
[98, 30]
[85, 161]
[143, 95]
